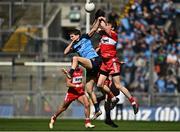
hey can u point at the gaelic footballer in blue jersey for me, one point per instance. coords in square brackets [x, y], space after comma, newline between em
[88, 58]
[82, 45]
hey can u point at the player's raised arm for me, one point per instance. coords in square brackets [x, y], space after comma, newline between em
[105, 26]
[94, 27]
[99, 13]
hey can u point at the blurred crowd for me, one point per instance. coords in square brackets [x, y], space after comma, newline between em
[147, 31]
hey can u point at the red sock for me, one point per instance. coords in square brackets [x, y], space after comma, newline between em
[132, 101]
[87, 120]
[110, 95]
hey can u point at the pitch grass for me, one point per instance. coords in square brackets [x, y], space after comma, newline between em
[78, 125]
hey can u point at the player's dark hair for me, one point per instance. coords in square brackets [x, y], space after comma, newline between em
[114, 24]
[99, 13]
[75, 31]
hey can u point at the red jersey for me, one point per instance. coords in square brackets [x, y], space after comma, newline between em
[75, 92]
[108, 45]
[77, 76]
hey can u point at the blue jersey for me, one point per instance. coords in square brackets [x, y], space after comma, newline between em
[84, 47]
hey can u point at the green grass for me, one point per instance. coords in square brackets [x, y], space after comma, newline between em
[78, 125]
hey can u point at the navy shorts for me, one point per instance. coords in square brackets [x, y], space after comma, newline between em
[96, 63]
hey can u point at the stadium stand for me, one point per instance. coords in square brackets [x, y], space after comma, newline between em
[18, 40]
[148, 29]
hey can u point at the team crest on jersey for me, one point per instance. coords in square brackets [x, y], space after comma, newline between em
[77, 79]
[105, 40]
[108, 41]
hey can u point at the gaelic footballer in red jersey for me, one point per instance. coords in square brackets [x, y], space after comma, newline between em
[76, 88]
[110, 62]
[75, 92]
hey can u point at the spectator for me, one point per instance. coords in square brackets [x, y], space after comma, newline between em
[144, 32]
[160, 84]
[171, 82]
